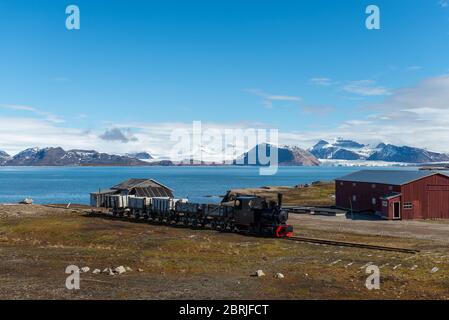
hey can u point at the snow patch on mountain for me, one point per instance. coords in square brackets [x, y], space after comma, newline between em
[342, 149]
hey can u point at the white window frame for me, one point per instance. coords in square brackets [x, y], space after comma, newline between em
[408, 205]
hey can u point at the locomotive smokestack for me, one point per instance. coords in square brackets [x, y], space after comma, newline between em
[280, 199]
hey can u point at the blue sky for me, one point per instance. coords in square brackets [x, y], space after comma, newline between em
[309, 68]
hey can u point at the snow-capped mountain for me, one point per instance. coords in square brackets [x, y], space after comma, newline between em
[407, 154]
[60, 157]
[287, 156]
[342, 149]
[140, 155]
[4, 157]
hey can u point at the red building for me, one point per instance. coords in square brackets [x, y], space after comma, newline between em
[395, 195]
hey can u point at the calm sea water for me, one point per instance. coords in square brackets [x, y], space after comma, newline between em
[206, 184]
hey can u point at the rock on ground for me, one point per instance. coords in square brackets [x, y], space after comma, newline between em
[120, 270]
[259, 273]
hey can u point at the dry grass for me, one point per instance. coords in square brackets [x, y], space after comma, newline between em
[317, 194]
[182, 263]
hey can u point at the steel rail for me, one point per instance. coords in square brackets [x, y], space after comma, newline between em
[352, 244]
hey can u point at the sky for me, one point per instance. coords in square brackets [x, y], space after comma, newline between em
[137, 70]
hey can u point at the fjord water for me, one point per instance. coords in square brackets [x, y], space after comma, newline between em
[206, 184]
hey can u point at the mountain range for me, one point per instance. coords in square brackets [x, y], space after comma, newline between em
[342, 149]
[339, 149]
[60, 157]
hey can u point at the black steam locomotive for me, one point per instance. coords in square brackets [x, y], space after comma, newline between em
[244, 214]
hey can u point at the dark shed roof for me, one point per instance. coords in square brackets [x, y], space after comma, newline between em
[153, 192]
[139, 183]
[144, 188]
[393, 177]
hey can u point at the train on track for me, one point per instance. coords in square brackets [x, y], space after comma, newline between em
[250, 215]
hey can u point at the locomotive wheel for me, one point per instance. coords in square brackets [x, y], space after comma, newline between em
[213, 225]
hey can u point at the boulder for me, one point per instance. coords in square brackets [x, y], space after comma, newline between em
[96, 271]
[128, 269]
[279, 276]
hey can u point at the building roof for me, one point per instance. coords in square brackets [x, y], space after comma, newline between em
[139, 183]
[391, 196]
[392, 177]
[152, 192]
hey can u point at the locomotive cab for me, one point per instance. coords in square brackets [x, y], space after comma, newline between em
[258, 216]
[244, 209]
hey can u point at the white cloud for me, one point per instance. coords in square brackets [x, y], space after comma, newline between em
[17, 134]
[321, 81]
[443, 3]
[46, 115]
[270, 99]
[366, 88]
[416, 116]
[116, 134]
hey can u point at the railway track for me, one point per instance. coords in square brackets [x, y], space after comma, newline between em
[352, 244]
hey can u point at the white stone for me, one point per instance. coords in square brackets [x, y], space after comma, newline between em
[435, 269]
[259, 273]
[128, 269]
[96, 271]
[279, 276]
[120, 270]
[85, 269]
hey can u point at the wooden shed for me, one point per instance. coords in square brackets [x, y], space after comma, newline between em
[395, 194]
[149, 188]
